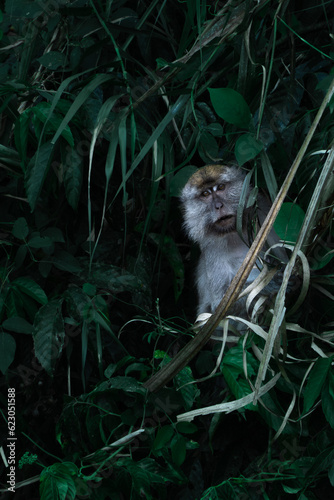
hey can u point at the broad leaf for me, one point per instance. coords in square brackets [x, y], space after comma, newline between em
[49, 334]
[164, 435]
[72, 165]
[17, 325]
[247, 147]
[52, 60]
[66, 262]
[186, 427]
[78, 102]
[20, 228]
[315, 382]
[230, 106]
[289, 222]
[180, 179]
[208, 147]
[327, 403]
[184, 380]
[21, 134]
[179, 450]
[57, 482]
[36, 172]
[39, 242]
[51, 122]
[31, 288]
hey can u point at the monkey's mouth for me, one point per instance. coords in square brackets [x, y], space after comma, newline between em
[227, 222]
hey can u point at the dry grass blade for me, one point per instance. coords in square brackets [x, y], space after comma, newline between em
[230, 406]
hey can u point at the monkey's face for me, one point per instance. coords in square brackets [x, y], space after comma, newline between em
[210, 200]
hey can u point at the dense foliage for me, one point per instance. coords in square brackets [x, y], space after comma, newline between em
[106, 109]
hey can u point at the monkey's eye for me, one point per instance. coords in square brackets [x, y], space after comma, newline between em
[220, 187]
[205, 193]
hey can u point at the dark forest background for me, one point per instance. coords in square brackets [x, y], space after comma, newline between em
[106, 108]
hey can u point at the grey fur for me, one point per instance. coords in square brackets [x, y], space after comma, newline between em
[222, 249]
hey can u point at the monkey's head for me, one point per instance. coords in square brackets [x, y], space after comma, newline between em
[210, 201]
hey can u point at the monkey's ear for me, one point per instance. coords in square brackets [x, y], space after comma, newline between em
[180, 179]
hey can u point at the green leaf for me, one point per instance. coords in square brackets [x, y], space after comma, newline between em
[57, 483]
[158, 354]
[174, 110]
[79, 101]
[186, 427]
[215, 129]
[179, 450]
[141, 368]
[159, 475]
[113, 367]
[49, 334]
[73, 168]
[140, 480]
[39, 242]
[315, 382]
[20, 228]
[331, 383]
[11, 304]
[44, 267]
[20, 255]
[31, 288]
[164, 435]
[289, 222]
[89, 289]
[9, 156]
[48, 487]
[327, 403]
[185, 381]
[21, 133]
[126, 384]
[66, 262]
[247, 147]
[7, 351]
[230, 106]
[52, 121]
[53, 60]
[321, 256]
[17, 325]
[36, 173]
[234, 358]
[322, 461]
[207, 147]
[180, 179]
[27, 9]
[238, 386]
[110, 160]
[291, 490]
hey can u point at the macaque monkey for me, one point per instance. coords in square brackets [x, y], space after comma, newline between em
[210, 201]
